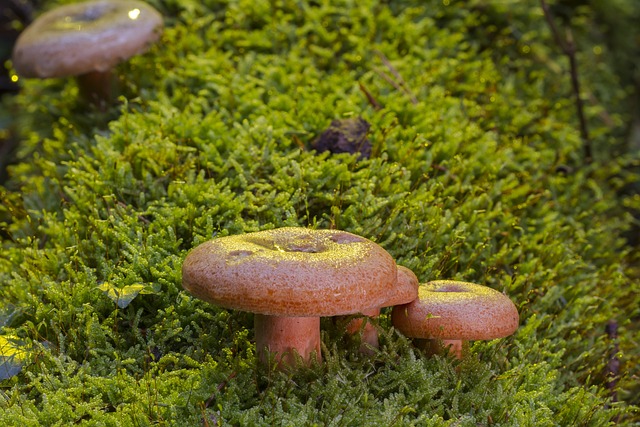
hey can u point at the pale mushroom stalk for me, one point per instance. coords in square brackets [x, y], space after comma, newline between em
[405, 291]
[285, 337]
[96, 86]
[367, 330]
[441, 346]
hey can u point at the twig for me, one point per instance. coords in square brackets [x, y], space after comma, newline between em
[568, 47]
[390, 80]
[613, 365]
[401, 84]
[219, 388]
[370, 97]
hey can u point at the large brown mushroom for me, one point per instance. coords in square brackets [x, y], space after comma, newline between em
[447, 313]
[86, 40]
[290, 277]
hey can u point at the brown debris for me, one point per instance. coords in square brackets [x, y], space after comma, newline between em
[345, 136]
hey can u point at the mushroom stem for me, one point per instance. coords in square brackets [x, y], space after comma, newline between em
[368, 331]
[404, 291]
[438, 346]
[96, 86]
[282, 337]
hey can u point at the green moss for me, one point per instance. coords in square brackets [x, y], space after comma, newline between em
[476, 174]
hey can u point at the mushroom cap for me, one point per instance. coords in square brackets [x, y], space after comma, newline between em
[83, 37]
[451, 310]
[406, 290]
[291, 271]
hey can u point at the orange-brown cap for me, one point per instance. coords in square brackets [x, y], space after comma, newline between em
[452, 310]
[291, 271]
[406, 290]
[84, 37]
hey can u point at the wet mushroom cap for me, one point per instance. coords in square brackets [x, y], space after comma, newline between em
[452, 310]
[85, 37]
[291, 271]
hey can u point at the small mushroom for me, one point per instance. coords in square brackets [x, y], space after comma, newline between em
[290, 277]
[86, 40]
[447, 313]
[405, 291]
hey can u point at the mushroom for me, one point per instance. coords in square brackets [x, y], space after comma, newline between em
[447, 313]
[404, 292]
[86, 40]
[290, 277]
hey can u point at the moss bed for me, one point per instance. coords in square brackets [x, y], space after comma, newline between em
[476, 173]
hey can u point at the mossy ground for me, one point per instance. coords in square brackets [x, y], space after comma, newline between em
[477, 173]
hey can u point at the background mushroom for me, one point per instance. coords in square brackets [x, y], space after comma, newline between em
[290, 277]
[447, 313]
[405, 291]
[86, 40]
